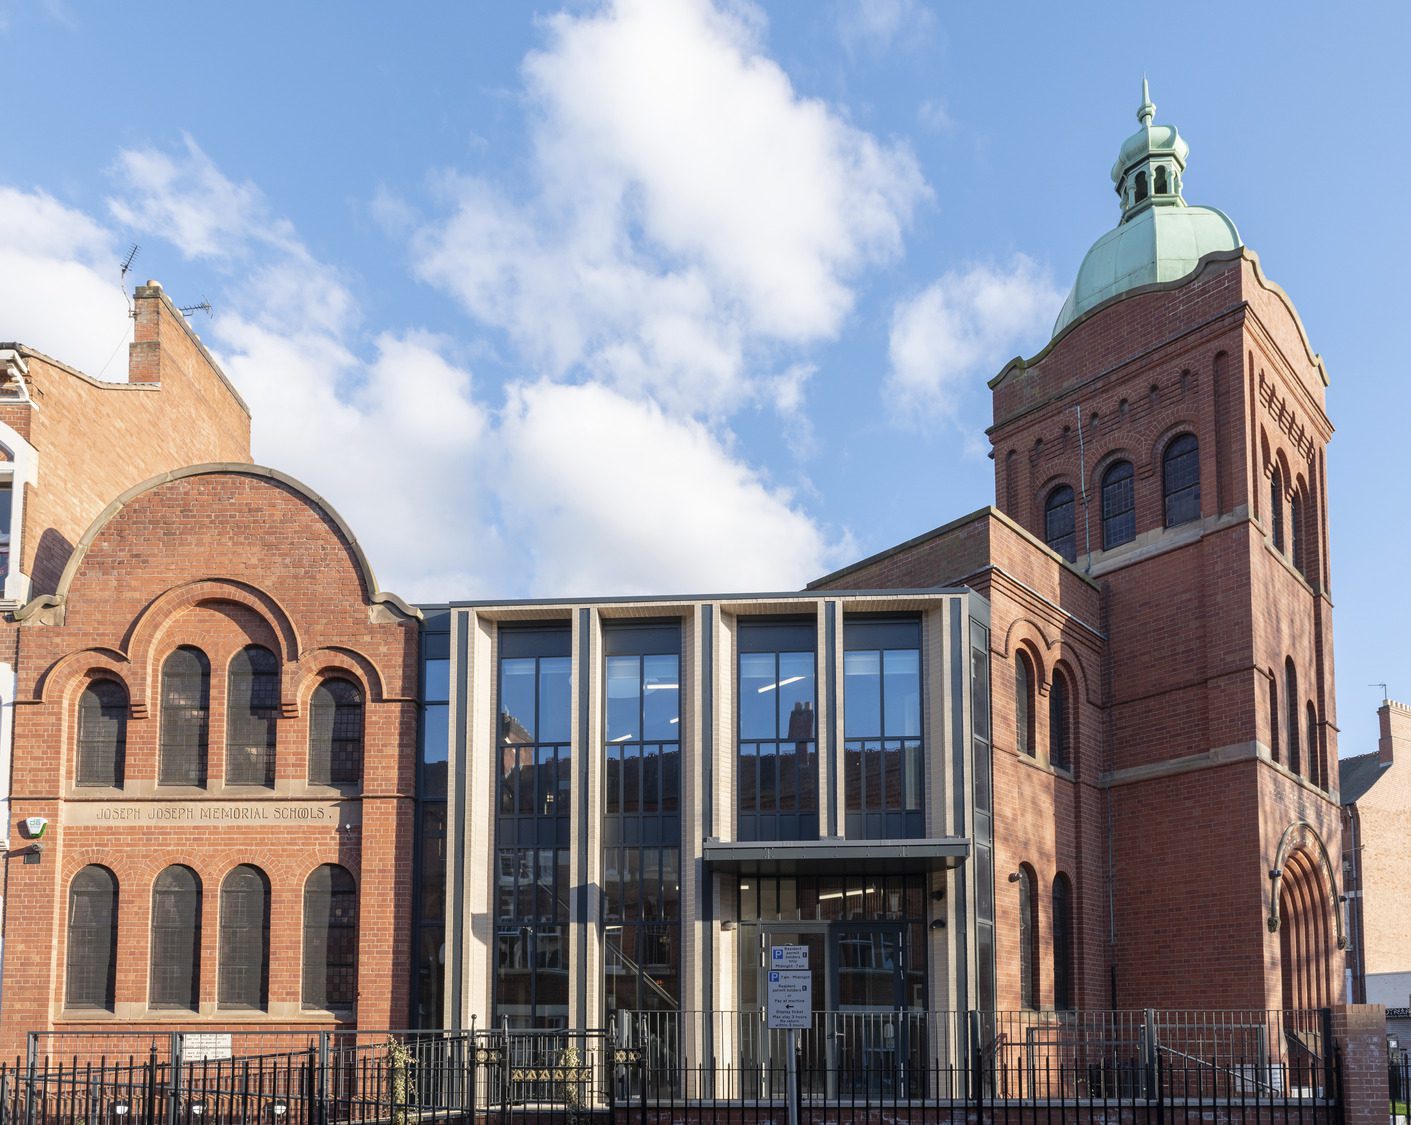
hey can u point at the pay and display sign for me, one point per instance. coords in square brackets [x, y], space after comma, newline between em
[790, 988]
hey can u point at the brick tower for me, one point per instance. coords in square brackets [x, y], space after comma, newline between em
[1170, 442]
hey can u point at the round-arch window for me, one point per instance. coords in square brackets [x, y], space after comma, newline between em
[1058, 522]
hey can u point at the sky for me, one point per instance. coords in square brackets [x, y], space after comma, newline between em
[690, 296]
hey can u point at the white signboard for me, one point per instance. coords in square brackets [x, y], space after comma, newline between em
[205, 1045]
[790, 998]
[788, 957]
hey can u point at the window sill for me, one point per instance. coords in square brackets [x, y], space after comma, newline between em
[1044, 767]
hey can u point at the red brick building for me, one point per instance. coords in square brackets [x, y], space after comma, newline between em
[1103, 777]
[214, 712]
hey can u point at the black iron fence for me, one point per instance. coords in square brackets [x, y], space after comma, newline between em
[682, 1068]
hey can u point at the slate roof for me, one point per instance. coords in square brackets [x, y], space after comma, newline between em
[1357, 775]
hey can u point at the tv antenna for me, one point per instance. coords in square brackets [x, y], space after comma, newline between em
[204, 306]
[1384, 691]
[132, 252]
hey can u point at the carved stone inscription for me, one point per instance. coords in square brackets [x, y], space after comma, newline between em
[332, 814]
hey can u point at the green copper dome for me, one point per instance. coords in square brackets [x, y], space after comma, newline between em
[1160, 237]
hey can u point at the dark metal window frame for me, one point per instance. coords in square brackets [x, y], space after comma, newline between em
[777, 637]
[92, 950]
[1025, 703]
[184, 747]
[1276, 508]
[1119, 505]
[252, 717]
[101, 759]
[176, 940]
[1061, 521]
[1291, 708]
[336, 732]
[330, 976]
[1060, 721]
[532, 847]
[1180, 479]
[1029, 993]
[894, 811]
[641, 903]
[243, 976]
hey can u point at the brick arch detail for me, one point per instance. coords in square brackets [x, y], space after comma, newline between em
[50, 606]
[56, 681]
[1301, 838]
[1026, 634]
[321, 663]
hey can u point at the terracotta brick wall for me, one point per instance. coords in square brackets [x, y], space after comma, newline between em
[216, 560]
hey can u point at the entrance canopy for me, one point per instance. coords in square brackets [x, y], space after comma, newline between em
[835, 856]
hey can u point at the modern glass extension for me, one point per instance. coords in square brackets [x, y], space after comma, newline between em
[638, 799]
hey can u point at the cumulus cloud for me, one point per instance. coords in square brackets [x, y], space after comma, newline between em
[568, 489]
[59, 286]
[689, 209]
[963, 327]
[609, 495]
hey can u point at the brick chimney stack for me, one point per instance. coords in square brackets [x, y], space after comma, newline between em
[1395, 721]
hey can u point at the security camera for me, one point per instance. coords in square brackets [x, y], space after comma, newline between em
[34, 827]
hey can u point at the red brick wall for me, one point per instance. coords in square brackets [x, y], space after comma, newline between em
[216, 560]
[96, 439]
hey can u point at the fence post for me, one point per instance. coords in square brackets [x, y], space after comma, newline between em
[323, 1065]
[31, 1059]
[1149, 1055]
[174, 1068]
[975, 1054]
[149, 1117]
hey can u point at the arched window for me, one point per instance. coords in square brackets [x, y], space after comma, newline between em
[1060, 723]
[1063, 946]
[1298, 532]
[1291, 706]
[1180, 480]
[1119, 506]
[186, 710]
[330, 939]
[93, 939]
[244, 939]
[336, 733]
[1316, 772]
[1141, 186]
[102, 734]
[1276, 508]
[1058, 522]
[1161, 180]
[1024, 703]
[176, 940]
[1028, 937]
[1273, 716]
[253, 706]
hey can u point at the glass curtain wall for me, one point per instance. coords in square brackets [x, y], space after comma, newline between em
[776, 770]
[430, 893]
[642, 823]
[882, 747]
[534, 804]
[984, 867]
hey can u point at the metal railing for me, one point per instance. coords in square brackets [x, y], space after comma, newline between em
[655, 1067]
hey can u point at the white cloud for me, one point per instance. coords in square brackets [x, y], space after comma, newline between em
[574, 488]
[613, 496]
[878, 25]
[689, 210]
[964, 326]
[59, 288]
[189, 201]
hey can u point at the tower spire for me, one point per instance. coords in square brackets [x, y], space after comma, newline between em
[1146, 111]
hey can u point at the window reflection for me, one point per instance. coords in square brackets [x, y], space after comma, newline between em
[777, 763]
[883, 750]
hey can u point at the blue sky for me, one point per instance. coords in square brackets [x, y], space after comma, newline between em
[670, 296]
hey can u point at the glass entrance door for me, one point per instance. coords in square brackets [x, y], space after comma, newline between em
[768, 1052]
[870, 1032]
